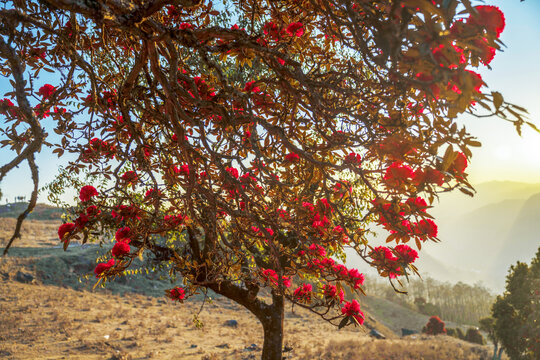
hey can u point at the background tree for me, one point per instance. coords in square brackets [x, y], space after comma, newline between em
[516, 312]
[487, 324]
[341, 114]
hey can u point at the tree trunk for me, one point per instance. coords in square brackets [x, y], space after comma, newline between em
[500, 353]
[273, 330]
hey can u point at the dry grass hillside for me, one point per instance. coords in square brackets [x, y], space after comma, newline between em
[47, 313]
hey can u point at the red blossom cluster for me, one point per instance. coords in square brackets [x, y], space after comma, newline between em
[97, 148]
[352, 310]
[303, 293]
[87, 192]
[103, 267]
[270, 276]
[388, 263]
[46, 91]
[176, 294]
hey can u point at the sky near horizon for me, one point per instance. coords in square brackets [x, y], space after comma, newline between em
[504, 155]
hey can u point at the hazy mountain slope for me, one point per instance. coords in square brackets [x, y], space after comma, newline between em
[522, 240]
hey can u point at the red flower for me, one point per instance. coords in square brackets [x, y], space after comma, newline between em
[92, 211]
[417, 204]
[426, 227]
[184, 26]
[353, 309]
[250, 87]
[428, 175]
[405, 253]
[357, 277]
[176, 294]
[485, 52]
[46, 91]
[81, 221]
[87, 192]
[120, 249]
[460, 163]
[102, 267]
[125, 211]
[123, 234]
[490, 17]
[330, 291]
[233, 172]
[292, 157]
[397, 174]
[295, 28]
[130, 177]
[382, 254]
[352, 158]
[303, 293]
[65, 229]
[271, 275]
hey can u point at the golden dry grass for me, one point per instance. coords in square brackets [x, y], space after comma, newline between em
[40, 321]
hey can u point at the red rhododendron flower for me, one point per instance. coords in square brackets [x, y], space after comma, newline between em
[250, 87]
[120, 249]
[460, 163]
[271, 275]
[233, 172]
[490, 17]
[303, 293]
[426, 227]
[485, 52]
[292, 157]
[123, 234]
[125, 212]
[397, 174]
[417, 204]
[46, 91]
[382, 254]
[429, 175]
[176, 294]
[92, 211]
[102, 267]
[405, 253]
[352, 158]
[65, 229]
[130, 177]
[295, 29]
[353, 309]
[87, 192]
[81, 221]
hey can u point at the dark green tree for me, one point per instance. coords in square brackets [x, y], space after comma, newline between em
[516, 312]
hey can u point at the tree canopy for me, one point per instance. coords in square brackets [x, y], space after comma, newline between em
[244, 145]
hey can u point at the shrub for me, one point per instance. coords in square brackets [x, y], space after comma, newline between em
[434, 326]
[474, 336]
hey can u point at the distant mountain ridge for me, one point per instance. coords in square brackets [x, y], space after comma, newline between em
[40, 212]
[484, 235]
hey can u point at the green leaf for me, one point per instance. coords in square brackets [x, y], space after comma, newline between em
[343, 322]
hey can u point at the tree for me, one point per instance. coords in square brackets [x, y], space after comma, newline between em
[434, 326]
[243, 147]
[516, 325]
[488, 325]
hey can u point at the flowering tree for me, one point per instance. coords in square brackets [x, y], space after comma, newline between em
[245, 146]
[434, 326]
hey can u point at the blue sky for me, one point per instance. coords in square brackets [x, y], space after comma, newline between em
[504, 155]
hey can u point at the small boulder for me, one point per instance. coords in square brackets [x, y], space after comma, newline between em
[23, 277]
[231, 323]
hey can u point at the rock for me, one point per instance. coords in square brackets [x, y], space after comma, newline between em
[252, 347]
[231, 323]
[23, 277]
[223, 346]
[287, 349]
[193, 346]
[406, 332]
